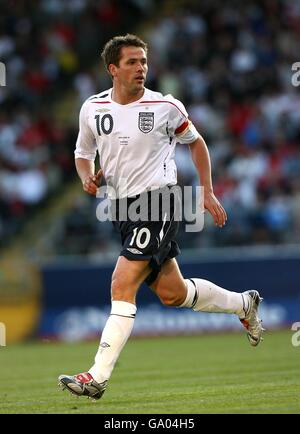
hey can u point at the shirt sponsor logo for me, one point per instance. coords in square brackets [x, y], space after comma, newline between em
[146, 121]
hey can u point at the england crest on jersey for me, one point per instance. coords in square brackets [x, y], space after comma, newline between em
[146, 121]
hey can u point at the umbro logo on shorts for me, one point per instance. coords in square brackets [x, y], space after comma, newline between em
[134, 251]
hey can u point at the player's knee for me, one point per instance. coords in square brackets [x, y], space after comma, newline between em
[118, 290]
[170, 298]
[122, 290]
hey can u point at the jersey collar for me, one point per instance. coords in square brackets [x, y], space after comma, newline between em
[131, 103]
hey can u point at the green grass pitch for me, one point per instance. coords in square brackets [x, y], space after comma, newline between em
[191, 374]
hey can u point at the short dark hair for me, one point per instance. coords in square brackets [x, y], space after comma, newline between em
[112, 50]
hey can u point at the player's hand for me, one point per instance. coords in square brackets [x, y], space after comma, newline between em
[92, 182]
[216, 210]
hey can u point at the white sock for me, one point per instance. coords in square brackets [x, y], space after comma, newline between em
[114, 336]
[205, 296]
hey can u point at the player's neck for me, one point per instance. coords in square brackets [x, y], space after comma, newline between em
[124, 96]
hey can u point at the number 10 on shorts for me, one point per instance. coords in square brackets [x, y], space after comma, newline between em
[140, 237]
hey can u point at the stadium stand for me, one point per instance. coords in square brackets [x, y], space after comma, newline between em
[46, 60]
[229, 63]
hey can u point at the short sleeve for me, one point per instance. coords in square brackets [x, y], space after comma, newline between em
[178, 114]
[85, 145]
[182, 127]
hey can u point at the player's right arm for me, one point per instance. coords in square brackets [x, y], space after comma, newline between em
[85, 154]
[86, 172]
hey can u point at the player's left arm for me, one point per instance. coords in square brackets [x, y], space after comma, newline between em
[186, 133]
[201, 160]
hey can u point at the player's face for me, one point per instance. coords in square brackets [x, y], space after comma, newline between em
[132, 70]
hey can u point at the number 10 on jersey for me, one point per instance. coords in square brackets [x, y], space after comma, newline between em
[105, 125]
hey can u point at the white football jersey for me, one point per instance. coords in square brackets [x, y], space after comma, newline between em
[136, 142]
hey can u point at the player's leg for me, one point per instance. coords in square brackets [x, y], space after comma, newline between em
[202, 295]
[169, 285]
[199, 294]
[127, 277]
[126, 280]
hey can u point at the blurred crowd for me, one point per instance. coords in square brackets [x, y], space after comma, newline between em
[230, 63]
[48, 47]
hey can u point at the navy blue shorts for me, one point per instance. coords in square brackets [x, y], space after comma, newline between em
[147, 238]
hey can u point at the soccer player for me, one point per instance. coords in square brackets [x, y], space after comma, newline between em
[135, 131]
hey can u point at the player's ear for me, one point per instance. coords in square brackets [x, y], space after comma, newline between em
[112, 69]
